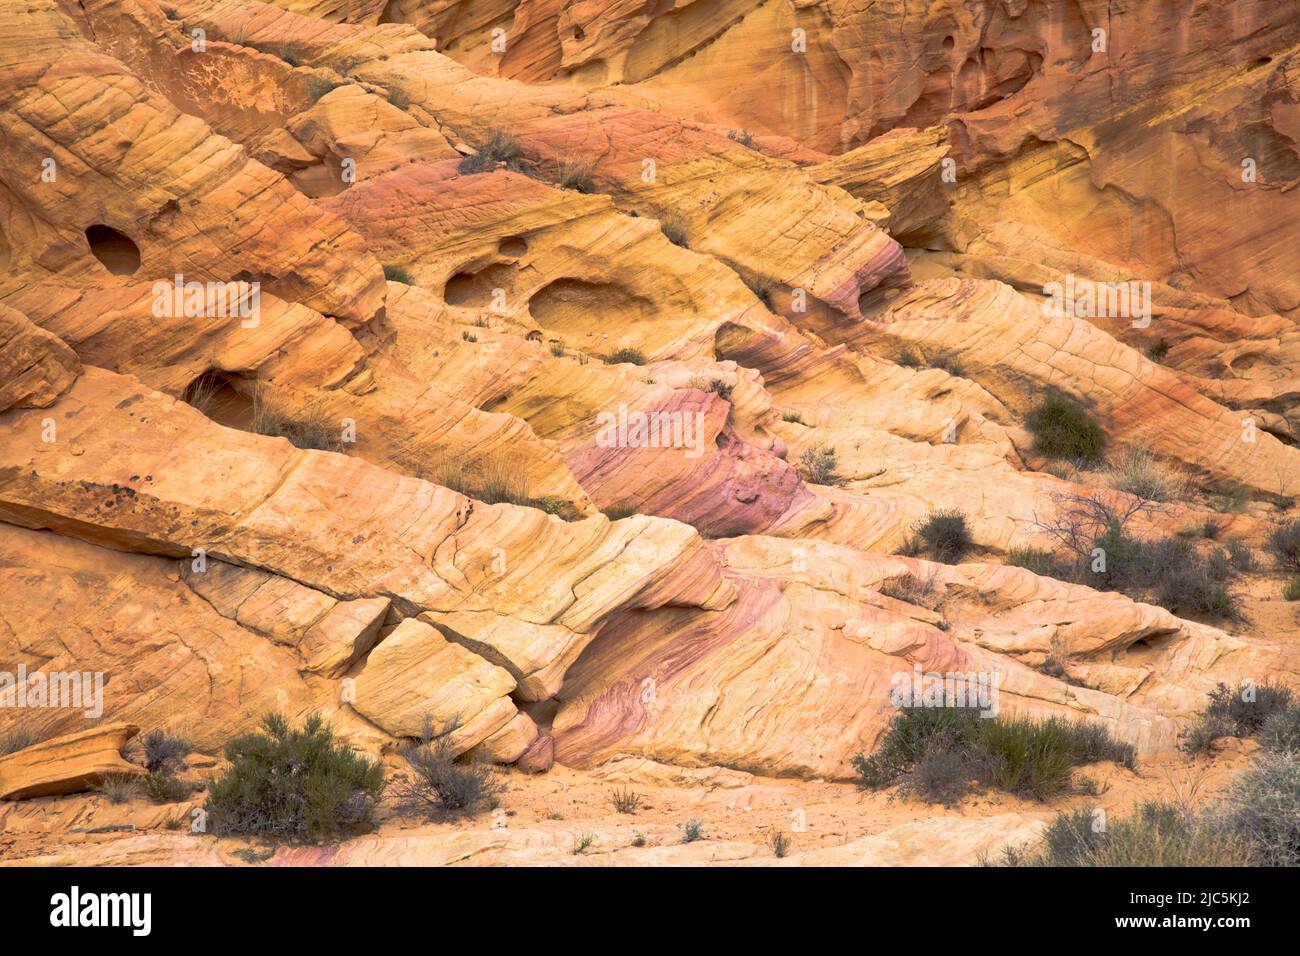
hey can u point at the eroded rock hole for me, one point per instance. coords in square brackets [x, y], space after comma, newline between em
[118, 254]
[213, 394]
[476, 289]
[514, 247]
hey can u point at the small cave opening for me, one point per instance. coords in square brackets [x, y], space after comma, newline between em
[214, 394]
[115, 251]
[949, 42]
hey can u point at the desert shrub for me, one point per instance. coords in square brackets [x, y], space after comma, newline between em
[307, 428]
[778, 843]
[1219, 565]
[1194, 590]
[941, 776]
[1248, 715]
[1291, 591]
[293, 784]
[675, 232]
[1063, 430]
[1284, 542]
[817, 465]
[583, 842]
[162, 787]
[1280, 733]
[620, 511]
[625, 801]
[557, 349]
[1040, 562]
[1166, 571]
[912, 732]
[493, 479]
[576, 174]
[950, 362]
[1241, 557]
[1230, 714]
[398, 274]
[500, 148]
[793, 418]
[118, 787]
[1030, 758]
[440, 787]
[1158, 350]
[910, 589]
[1155, 834]
[638, 838]
[1199, 738]
[910, 359]
[1140, 473]
[12, 741]
[1230, 497]
[1263, 809]
[163, 750]
[721, 389]
[1024, 756]
[626, 355]
[692, 830]
[945, 535]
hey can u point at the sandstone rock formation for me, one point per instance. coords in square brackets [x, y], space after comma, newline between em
[67, 764]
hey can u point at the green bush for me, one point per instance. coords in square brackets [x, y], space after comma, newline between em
[1292, 590]
[1063, 430]
[398, 274]
[1284, 542]
[817, 465]
[692, 830]
[1280, 733]
[936, 753]
[945, 535]
[620, 511]
[293, 785]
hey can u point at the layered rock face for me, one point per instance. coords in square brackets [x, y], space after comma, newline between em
[572, 380]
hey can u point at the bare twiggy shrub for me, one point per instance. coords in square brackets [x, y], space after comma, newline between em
[438, 785]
